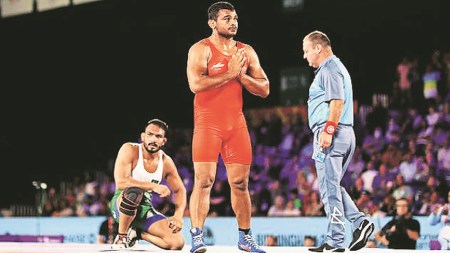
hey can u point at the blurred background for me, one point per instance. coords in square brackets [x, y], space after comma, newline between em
[80, 79]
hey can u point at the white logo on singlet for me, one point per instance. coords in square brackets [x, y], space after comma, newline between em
[217, 65]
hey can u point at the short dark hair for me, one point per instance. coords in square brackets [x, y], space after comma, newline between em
[402, 199]
[310, 237]
[159, 123]
[214, 9]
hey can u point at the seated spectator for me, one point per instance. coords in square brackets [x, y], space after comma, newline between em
[356, 188]
[402, 190]
[219, 201]
[368, 175]
[290, 209]
[312, 205]
[277, 208]
[381, 183]
[271, 240]
[364, 202]
[431, 201]
[309, 241]
[373, 143]
[440, 215]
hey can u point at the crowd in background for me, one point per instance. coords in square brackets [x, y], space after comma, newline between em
[403, 150]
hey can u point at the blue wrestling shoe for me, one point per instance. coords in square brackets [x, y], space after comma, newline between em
[198, 245]
[246, 243]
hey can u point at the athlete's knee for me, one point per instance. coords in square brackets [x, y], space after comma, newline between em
[131, 198]
[240, 184]
[204, 182]
[177, 243]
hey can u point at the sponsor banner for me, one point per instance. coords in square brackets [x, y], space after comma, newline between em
[16, 7]
[32, 238]
[44, 5]
[221, 231]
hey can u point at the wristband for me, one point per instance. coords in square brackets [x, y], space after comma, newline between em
[330, 127]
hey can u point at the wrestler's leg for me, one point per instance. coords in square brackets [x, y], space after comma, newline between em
[124, 220]
[124, 207]
[238, 176]
[237, 156]
[206, 144]
[205, 173]
[162, 236]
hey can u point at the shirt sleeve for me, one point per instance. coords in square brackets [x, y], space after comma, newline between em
[333, 82]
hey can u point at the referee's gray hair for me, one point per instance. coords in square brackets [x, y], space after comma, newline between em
[318, 37]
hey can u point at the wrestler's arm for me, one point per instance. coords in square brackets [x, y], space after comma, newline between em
[176, 185]
[197, 69]
[123, 168]
[254, 79]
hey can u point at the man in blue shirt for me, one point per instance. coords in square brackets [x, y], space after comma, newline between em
[330, 116]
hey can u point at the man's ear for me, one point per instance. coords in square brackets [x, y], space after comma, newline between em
[319, 48]
[212, 24]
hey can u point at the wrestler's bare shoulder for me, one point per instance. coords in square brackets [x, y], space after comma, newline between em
[199, 46]
[130, 148]
[247, 47]
[131, 145]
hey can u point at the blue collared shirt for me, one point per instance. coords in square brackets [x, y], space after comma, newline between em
[331, 81]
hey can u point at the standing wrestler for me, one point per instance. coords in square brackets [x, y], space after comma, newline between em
[218, 67]
[330, 116]
[138, 172]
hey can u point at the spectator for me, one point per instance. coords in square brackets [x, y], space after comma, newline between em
[219, 203]
[440, 215]
[107, 231]
[404, 83]
[368, 175]
[309, 241]
[313, 206]
[290, 210]
[277, 208]
[271, 240]
[402, 190]
[403, 231]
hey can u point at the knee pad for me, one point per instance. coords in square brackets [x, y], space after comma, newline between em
[131, 198]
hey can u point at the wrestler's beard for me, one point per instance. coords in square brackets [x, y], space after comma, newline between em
[226, 35]
[152, 151]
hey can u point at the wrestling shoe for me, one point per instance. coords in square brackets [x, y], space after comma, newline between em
[120, 242]
[198, 245]
[361, 235]
[246, 243]
[133, 236]
[326, 248]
